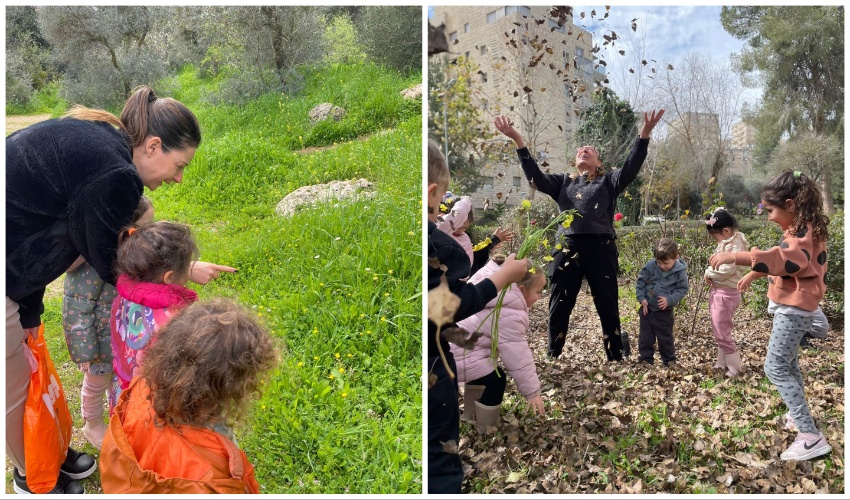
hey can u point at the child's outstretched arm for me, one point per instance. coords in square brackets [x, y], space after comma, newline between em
[739, 257]
[747, 280]
[204, 272]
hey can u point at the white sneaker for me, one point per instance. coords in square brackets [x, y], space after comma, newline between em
[807, 446]
[790, 424]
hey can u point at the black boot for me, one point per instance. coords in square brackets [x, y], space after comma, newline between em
[613, 346]
[627, 349]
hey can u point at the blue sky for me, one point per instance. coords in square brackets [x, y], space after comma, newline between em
[671, 31]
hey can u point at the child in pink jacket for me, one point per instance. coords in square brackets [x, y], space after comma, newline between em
[154, 263]
[457, 215]
[485, 381]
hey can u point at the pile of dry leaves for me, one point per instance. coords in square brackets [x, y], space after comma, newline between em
[621, 428]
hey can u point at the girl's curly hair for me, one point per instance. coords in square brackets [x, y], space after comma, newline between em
[808, 202]
[206, 362]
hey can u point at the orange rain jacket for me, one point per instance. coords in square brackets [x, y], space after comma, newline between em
[141, 457]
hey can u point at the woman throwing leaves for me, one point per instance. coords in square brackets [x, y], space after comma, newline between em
[589, 249]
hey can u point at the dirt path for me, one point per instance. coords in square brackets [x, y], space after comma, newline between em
[18, 122]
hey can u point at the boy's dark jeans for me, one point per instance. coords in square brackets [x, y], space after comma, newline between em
[656, 325]
[445, 472]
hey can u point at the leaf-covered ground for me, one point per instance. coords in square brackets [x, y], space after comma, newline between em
[622, 428]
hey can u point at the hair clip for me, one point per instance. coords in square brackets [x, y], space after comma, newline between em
[131, 231]
[711, 221]
[797, 174]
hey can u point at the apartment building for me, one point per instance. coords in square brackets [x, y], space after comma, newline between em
[547, 116]
[741, 148]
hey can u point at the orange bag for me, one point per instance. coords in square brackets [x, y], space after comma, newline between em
[47, 421]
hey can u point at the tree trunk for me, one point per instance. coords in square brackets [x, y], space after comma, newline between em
[826, 192]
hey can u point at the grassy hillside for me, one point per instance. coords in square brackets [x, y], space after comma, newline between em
[338, 284]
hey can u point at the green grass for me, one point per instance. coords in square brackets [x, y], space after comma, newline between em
[339, 285]
[44, 101]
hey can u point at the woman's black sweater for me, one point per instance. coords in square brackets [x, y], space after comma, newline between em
[71, 186]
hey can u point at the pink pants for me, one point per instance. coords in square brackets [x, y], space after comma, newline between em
[722, 302]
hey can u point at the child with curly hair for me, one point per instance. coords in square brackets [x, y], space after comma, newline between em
[171, 431]
[796, 269]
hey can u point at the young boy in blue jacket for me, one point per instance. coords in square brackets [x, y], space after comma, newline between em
[661, 284]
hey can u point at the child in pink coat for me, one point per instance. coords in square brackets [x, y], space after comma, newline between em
[456, 217]
[485, 381]
[154, 263]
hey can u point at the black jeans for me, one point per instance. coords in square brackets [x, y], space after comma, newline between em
[656, 325]
[594, 257]
[445, 472]
[494, 387]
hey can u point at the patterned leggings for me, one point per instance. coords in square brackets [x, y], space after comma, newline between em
[782, 366]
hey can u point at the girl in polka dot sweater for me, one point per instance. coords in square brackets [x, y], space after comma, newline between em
[795, 270]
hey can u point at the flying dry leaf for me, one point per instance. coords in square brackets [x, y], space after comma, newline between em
[622, 52]
[460, 337]
[669, 66]
[442, 304]
[526, 89]
[560, 128]
[450, 447]
[643, 61]
[631, 70]
[499, 195]
[500, 175]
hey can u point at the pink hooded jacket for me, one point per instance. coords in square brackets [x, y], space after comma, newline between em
[139, 311]
[456, 219]
[513, 346]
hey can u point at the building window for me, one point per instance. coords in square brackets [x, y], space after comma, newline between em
[494, 16]
[452, 36]
[466, 54]
[554, 24]
[485, 104]
[466, 28]
[579, 52]
[517, 181]
[487, 182]
[483, 49]
[523, 10]
[483, 77]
